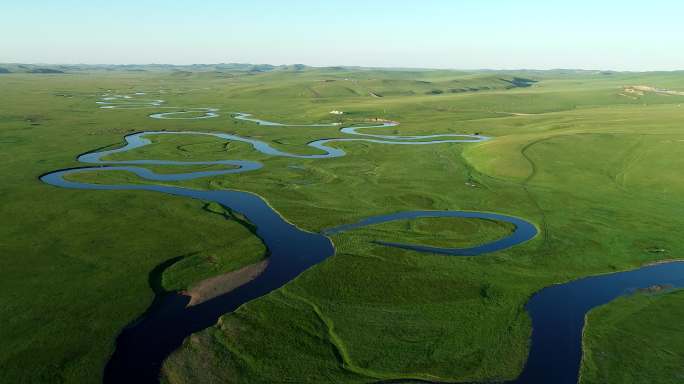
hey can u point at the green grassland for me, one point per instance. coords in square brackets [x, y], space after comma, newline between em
[635, 339]
[597, 172]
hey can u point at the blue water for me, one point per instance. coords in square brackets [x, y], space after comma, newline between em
[557, 312]
[523, 231]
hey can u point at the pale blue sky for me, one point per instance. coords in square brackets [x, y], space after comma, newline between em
[598, 34]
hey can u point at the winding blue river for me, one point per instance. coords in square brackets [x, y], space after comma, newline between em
[557, 312]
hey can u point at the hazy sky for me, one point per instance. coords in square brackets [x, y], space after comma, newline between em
[596, 34]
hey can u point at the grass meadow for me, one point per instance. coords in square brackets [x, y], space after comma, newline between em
[597, 170]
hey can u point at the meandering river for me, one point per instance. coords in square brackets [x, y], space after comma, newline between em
[557, 312]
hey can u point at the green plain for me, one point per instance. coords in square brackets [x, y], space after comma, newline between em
[597, 172]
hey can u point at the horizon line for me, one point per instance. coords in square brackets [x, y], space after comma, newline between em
[349, 67]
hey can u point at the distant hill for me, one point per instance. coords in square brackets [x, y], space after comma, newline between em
[78, 68]
[45, 70]
[515, 78]
[33, 68]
